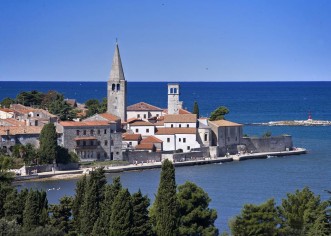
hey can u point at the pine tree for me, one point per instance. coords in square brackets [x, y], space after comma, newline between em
[81, 188]
[195, 216]
[219, 113]
[101, 227]
[48, 144]
[12, 207]
[141, 222]
[31, 213]
[94, 195]
[164, 212]
[61, 214]
[121, 217]
[196, 109]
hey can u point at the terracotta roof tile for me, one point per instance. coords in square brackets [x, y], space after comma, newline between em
[110, 117]
[170, 131]
[13, 121]
[143, 106]
[185, 118]
[181, 111]
[224, 123]
[6, 110]
[132, 137]
[151, 139]
[145, 146]
[13, 130]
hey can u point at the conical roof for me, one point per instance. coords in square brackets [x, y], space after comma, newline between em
[116, 72]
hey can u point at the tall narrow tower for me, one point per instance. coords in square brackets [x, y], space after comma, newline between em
[116, 89]
[173, 99]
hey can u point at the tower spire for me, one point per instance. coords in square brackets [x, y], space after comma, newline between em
[116, 72]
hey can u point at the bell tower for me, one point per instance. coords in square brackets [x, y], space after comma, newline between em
[174, 105]
[116, 89]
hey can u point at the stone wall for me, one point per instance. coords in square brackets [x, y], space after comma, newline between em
[269, 144]
[141, 156]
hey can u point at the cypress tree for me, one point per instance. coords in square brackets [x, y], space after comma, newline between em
[90, 211]
[195, 216]
[121, 217]
[196, 109]
[165, 208]
[78, 201]
[141, 222]
[61, 214]
[101, 227]
[12, 208]
[48, 144]
[31, 211]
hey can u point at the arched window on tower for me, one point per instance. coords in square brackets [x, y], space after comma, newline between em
[118, 87]
[171, 90]
[113, 87]
[175, 90]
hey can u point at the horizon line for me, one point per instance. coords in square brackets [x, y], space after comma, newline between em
[195, 81]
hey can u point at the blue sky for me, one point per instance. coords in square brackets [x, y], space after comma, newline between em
[220, 40]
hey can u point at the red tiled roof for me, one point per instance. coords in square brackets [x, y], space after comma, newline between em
[83, 123]
[181, 111]
[14, 122]
[145, 146]
[109, 116]
[170, 131]
[132, 137]
[143, 106]
[224, 123]
[13, 130]
[6, 110]
[132, 120]
[151, 139]
[185, 118]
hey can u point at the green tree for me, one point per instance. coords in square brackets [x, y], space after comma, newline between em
[164, 212]
[121, 217]
[256, 220]
[61, 109]
[78, 200]
[303, 213]
[195, 216]
[6, 102]
[141, 223]
[101, 227]
[31, 213]
[90, 211]
[48, 144]
[219, 113]
[196, 109]
[30, 98]
[8, 227]
[61, 214]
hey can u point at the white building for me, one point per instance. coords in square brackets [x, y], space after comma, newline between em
[143, 111]
[180, 121]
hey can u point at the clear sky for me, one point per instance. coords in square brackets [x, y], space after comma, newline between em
[186, 40]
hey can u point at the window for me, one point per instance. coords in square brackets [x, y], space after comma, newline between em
[105, 154]
[144, 116]
[175, 90]
[98, 132]
[168, 140]
[180, 126]
[172, 125]
[206, 137]
[187, 125]
[113, 87]
[84, 132]
[138, 116]
[84, 143]
[137, 130]
[91, 143]
[179, 139]
[171, 90]
[147, 130]
[106, 142]
[118, 87]
[130, 143]
[92, 132]
[117, 153]
[111, 142]
[188, 147]
[78, 142]
[184, 140]
[111, 131]
[105, 131]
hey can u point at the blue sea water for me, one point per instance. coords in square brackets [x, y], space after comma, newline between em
[233, 184]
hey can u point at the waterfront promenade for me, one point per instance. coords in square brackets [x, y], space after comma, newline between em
[54, 175]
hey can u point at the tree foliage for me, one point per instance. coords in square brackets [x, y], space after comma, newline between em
[6, 102]
[164, 212]
[196, 109]
[219, 113]
[141, 223]
[94, 106]
[48, 144]
[195, 216]
[30, 98]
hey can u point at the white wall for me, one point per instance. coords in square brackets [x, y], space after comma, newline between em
[143, 130]
[143, 114]
[182, 125]
[167, 146]
[186, 142]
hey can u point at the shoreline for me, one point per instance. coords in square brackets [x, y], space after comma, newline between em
[72, 174]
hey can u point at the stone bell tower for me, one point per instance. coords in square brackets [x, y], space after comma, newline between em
[116, 89]
[174, 105]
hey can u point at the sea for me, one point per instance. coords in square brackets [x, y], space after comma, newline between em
[229, 185]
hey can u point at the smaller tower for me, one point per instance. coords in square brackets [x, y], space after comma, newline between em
[173, 99]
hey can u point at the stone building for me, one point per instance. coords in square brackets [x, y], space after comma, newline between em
[90, 140]
[174, 105]
[144, 111]
[116, 88]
